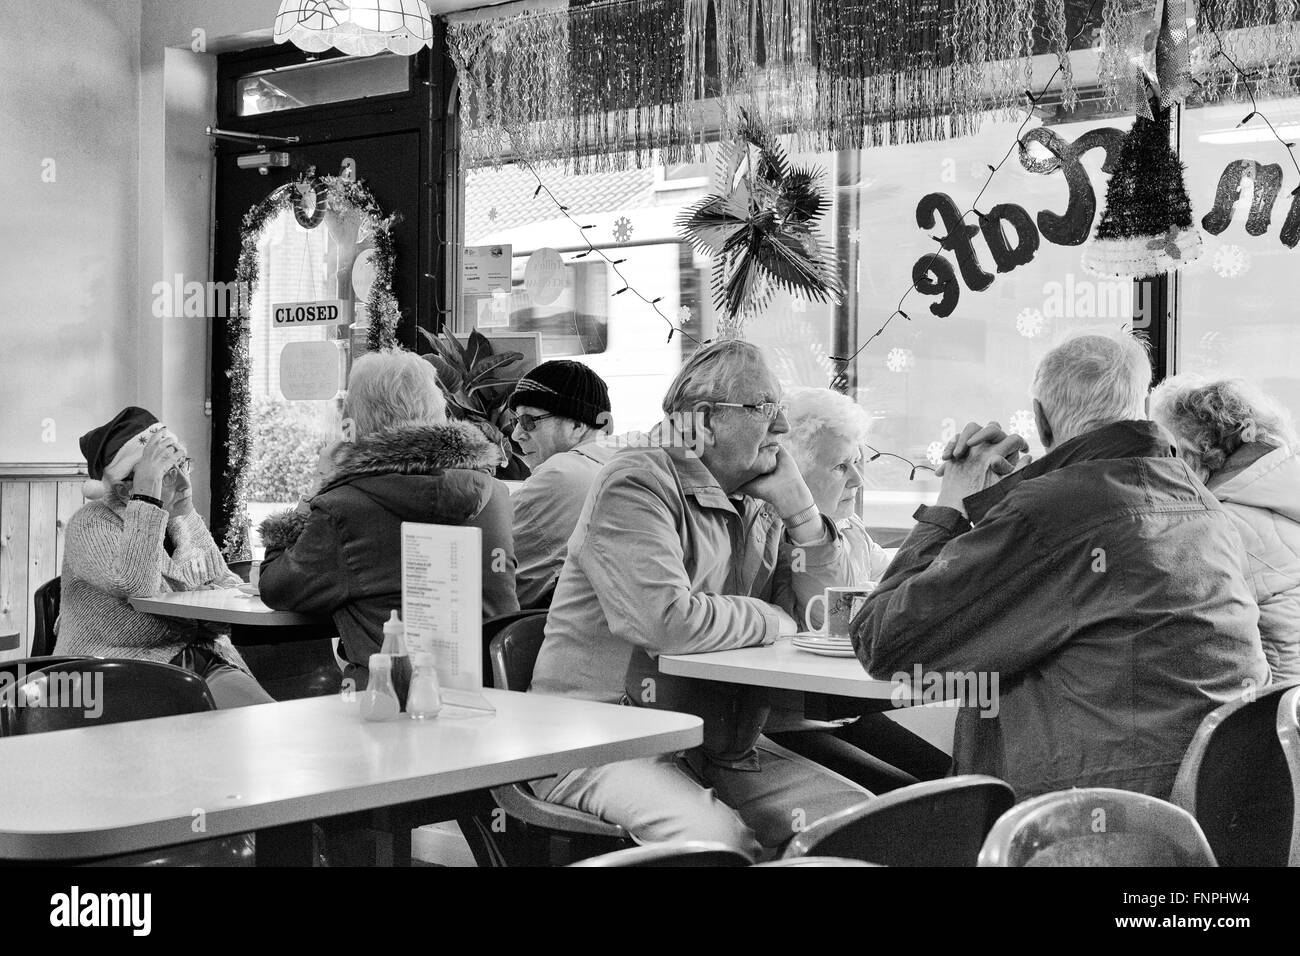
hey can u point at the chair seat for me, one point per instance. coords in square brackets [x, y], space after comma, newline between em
[517, 802]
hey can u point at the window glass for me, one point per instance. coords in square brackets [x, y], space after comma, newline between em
[923, 378]
[1237, 307]
[315, 84]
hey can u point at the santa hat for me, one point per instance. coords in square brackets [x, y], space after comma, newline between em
[113, 450]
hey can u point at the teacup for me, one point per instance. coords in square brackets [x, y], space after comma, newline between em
[839, 607]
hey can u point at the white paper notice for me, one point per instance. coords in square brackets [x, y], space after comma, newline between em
[442, 603]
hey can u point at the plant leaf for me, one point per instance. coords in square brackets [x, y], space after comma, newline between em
[449, 376]
[490, 363]
[478, 348]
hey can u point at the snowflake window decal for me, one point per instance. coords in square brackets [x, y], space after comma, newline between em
[1030, 323]
[1022, 423]
[683, 315]
[1231, 261]
[934, 452]
[898, 360]
[622, 229]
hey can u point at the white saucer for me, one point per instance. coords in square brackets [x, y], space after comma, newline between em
[812, 637]
[249, 589]
[826, 651]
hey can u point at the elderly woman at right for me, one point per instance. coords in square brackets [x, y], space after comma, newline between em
[1243, 446]
[340, 553]
[828, 432]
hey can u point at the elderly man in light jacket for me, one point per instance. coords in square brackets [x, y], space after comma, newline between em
[704, 538]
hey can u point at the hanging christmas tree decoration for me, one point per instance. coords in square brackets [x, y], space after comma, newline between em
[1147, 227]
[761, 230]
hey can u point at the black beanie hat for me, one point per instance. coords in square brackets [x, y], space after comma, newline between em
[565, 388]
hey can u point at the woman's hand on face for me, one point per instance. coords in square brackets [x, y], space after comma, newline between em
[161, 454]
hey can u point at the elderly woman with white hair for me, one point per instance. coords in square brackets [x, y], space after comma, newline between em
[408, 463]
[136, 536]
[1241, 443]
[827, 434]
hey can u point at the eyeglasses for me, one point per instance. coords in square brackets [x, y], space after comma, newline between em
[769, 410]
[528, 422]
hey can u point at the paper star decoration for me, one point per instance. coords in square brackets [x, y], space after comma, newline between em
[492, 214]
[1022, 423]
[622, 229]
[934, 452]
[898, 359]
[1231, 261]
[761, 227]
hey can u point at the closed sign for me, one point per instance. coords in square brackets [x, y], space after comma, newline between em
[322, 313]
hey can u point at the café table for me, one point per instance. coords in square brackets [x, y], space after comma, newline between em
[220, 605]
[783, 666]
[275, 768]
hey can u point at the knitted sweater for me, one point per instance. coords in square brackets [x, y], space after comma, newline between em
[113, 552]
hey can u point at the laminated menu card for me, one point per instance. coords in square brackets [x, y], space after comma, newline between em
[442, 606]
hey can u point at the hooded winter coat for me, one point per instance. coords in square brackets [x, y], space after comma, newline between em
[1259, 487]
[344, 557]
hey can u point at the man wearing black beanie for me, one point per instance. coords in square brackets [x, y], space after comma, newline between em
[562, 408]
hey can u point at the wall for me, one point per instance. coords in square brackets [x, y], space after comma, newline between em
[69, 110]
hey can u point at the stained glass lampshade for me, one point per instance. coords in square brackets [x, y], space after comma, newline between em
[357, 27]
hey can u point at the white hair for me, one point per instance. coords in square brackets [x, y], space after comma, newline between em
[714, 373]
[813, 411]
[1214, 418]
[1093, 378]
[393, 387]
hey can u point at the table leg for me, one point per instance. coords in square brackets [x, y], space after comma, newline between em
[288, 845]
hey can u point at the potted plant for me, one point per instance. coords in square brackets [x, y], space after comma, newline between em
[469, 376]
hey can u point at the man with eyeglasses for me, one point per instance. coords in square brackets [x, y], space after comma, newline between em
[561, 409]
[706, 540]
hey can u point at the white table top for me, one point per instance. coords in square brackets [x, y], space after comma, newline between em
[225, 605]
[781, 665]
[133, 786]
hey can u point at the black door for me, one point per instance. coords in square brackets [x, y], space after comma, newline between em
[396, 142]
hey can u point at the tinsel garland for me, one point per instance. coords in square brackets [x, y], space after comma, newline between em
[343, 197]
[605, 84]
[1259, 35]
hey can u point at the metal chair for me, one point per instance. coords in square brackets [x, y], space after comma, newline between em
[1096, 826]
[686, 853]
[1235, 781]
[935, 823]
[54, 698]
[1288, 732]
[816, 861]
[513, 653]
[45, 601]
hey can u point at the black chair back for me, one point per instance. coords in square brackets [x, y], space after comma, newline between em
[1235, 781]
[936, 823]
[243, 568]
[45, 603]
[15, 673]
[91, 692]
[514, 652]
[1288, 732]
[493, 626]
[295, 669]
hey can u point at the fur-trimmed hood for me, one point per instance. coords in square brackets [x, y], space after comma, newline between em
[417, 450]
[423, 473]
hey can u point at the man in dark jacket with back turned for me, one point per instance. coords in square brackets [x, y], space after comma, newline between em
[1101, 585]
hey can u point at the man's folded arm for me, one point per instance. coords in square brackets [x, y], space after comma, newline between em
[632, 554]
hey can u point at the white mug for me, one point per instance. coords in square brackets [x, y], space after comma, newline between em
[254, 572]
[840, 605]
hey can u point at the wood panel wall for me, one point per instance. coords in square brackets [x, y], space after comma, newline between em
[34, 513]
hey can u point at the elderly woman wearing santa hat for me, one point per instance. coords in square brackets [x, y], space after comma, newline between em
[138, 535]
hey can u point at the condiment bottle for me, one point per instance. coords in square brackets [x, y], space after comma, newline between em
[395, 647]
[425, 700]
[379, 701]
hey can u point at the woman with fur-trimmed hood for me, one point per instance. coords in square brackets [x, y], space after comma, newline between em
[343, 556]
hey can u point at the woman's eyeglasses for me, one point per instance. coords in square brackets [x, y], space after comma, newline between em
[769, 410]
[528, 422]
